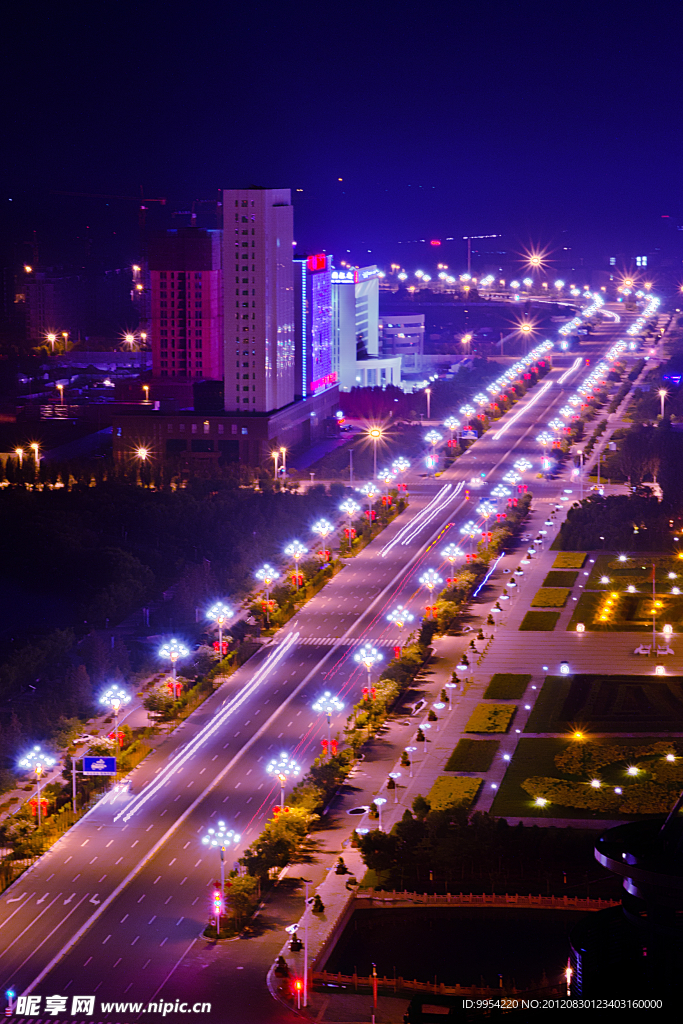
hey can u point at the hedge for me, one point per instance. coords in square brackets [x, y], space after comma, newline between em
[539, 620]
[569, 559]
[491, 718]
[447, 791]
[507, 686]
[472, 756]
[560, 579]
[550, 597]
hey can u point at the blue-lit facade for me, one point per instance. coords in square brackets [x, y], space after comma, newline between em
[317, 366]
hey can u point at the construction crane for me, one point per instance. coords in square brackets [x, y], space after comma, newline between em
[468, 239]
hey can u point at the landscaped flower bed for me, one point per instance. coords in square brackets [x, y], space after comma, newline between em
[447, 791]
[491, 718]
[550, 597]
[569, 559]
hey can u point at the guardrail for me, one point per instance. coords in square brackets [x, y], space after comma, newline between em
[486, 900]
[356, 981]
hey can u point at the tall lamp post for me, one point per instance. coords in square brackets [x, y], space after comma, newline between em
[267, 575]
[350, 508]
[428, 393]
[283, 453]
[221, 838]
[327, 705]
[375, 435]
[296, 550]
[37, 762]
[283, 769]
[379, 803]
[275, 455]
[368, 656]
[173, 650]
[220, 613]
[663, 395]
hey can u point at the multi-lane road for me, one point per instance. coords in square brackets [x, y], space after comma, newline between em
[117, 903]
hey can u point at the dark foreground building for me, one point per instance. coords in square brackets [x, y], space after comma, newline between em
[636, 950]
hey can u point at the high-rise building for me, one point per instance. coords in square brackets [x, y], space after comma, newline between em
[317, 341]
[259, 299]
[186, 286]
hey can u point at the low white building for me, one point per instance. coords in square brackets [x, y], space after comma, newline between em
[402, 334]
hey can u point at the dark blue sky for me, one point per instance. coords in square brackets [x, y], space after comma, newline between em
[548, 122]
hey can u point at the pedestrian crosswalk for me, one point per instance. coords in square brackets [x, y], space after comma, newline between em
[331, 641]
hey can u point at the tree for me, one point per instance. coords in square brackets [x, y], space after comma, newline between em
[241, 893]
[378, 850]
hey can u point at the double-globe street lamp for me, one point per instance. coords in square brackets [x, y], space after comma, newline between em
[323, 528]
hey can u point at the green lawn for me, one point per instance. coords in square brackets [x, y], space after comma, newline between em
[539, 621]
[637, 570]
[608, 704]
[507, 686]
[472, 756]
[557, 578]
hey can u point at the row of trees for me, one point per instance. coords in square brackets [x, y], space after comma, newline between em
[451, 851]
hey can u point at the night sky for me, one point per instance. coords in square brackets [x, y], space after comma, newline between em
[550, 123]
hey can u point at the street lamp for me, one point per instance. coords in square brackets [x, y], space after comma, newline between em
[52, 338]
[451, 424]
[323, 528]
[469, 529]
[221, 838]
[375, 435]
[663, 394]
[400, 617]
[450, 687]
[173, 650]
[115, 698]
[283, 769]
[296, 550]
[368, 656]
[370, 492]
[60, 388]
[395, 776]
[37, 762]
[451, 553]
[283, 453]
[19, 452]
[428, 393]
[35, 448]
[379, 802]
[438, 706]
[275, 455]
[267, 575]
[400, 466]
[327, 705]
[220, 613]
[431, 580]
